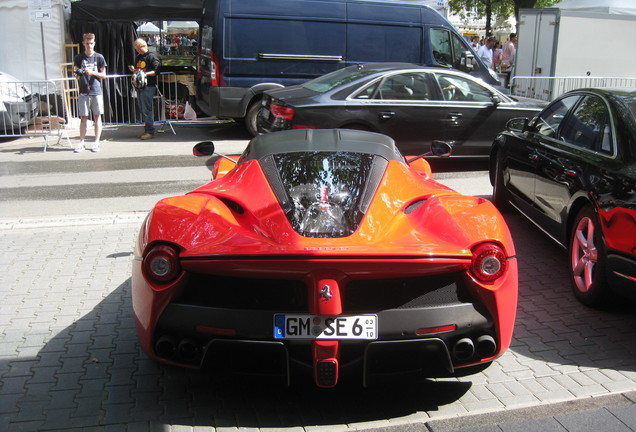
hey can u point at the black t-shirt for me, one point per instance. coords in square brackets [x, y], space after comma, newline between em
[90, 84]
[148, 62]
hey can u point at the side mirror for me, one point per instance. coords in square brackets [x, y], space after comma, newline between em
[204, 148]
[441, 148]
[438, 148]
[467, 61]
[518, 124]
[496, 100]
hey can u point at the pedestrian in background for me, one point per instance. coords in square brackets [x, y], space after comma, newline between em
[509, 52]
[497, 57]
[475, 43]
[145, 71]
[485, 51]
[89, 69]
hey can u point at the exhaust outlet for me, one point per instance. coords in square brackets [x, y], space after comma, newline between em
[486, 346]
[166, 347]
[463, 349]
[188, 350]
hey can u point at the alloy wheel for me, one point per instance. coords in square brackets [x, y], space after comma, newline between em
[584, 254]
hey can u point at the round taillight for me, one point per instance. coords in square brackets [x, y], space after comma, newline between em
[161, 264]
[489, 262]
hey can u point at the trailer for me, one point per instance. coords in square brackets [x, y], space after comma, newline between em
[577, 38]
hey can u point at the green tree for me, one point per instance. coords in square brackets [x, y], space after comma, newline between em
[500, 8]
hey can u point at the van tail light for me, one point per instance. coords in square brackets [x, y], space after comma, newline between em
[281, 112]
[489, 262]
[161, 264]
[214, 70]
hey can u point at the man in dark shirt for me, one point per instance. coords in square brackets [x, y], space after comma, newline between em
[146, 68]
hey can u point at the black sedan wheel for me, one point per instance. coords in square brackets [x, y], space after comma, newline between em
[587, 259]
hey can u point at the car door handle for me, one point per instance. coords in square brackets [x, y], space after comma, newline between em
[453, 119]
[386, 115]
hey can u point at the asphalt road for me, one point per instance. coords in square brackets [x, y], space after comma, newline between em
[129, 175]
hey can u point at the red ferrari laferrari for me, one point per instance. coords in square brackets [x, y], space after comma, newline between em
[326, 251]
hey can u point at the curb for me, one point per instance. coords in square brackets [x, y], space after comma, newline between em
[75, 220]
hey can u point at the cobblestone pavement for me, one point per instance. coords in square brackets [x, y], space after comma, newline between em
[69, 357]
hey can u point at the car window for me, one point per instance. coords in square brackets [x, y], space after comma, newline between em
[406, 86]
[550, 119]
[368, 92]
[450, 50]
[441, 45]
[337, 78]
[457, 88]
[588, 126]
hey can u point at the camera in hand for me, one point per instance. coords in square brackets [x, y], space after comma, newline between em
[80, 71]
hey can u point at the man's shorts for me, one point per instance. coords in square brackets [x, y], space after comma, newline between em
[87, 103]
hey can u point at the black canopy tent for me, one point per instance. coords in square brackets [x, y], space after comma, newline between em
[112, 22]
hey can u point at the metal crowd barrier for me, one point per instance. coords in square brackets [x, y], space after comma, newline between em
[121, 104]
[34, 108]
[549, 88]
[49, 108]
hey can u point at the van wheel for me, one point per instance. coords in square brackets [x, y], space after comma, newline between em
[251, 117]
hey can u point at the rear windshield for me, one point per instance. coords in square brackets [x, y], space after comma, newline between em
[325, 190]
[334, 79]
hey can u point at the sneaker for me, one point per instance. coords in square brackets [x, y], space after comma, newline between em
[146, 136]
[80, 148]
[95, 148]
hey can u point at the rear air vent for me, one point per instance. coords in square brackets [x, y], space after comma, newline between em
[233, 205]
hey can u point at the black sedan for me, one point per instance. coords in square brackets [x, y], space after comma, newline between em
[572, 171]
[414, 105]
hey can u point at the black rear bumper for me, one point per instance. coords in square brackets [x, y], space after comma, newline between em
[242, 342]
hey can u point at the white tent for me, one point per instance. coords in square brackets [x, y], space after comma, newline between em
[183, 25]
[148, 28]
[30, 35]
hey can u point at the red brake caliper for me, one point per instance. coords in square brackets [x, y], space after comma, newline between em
[326, 301]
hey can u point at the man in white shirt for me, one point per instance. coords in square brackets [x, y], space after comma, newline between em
[485, 52]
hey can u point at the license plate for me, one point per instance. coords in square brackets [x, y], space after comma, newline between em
[303, 326]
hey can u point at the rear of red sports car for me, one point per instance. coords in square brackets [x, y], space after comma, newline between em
[329, 260]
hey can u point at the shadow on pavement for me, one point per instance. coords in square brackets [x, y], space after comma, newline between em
[93, 373]
[552, 326]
